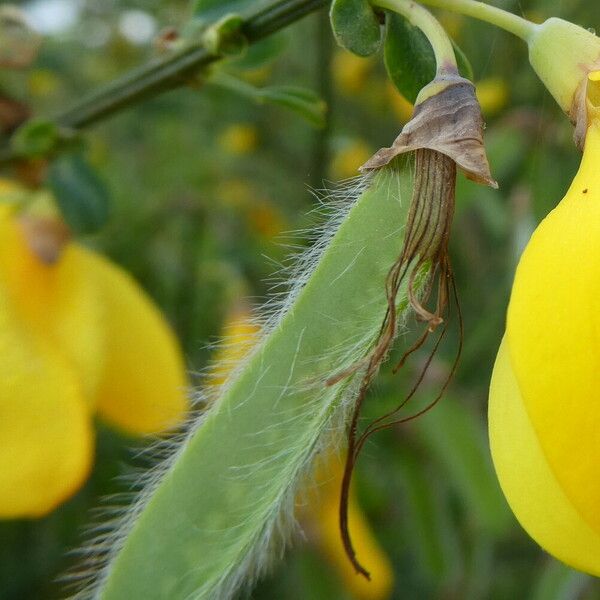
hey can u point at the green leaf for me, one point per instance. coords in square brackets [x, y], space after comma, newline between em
[80, 194]
[355, 26]
[429, 521]
[409, 57]
[302, 101]
[457, 439]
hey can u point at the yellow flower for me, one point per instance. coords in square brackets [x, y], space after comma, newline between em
[350, 72]
[492, 94]
[320, 514]
[78, 337]
[239, 139]
[265, 219]
[323, 510]
[345, 162]
[42, 83]
[545, 393]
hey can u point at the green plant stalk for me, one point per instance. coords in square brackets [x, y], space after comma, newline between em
[176, 70]
[430, 26]
[204, 528]
[484, 12]
[561, 53]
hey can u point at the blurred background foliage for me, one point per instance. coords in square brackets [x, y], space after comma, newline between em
[205, 186]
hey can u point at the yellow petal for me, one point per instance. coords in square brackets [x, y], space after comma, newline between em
[530, 486]
[323, 511]
[143, 386]
[553, 332]
[55, 299]
[46, 441]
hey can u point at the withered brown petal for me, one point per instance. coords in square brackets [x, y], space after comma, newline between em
[449, 122]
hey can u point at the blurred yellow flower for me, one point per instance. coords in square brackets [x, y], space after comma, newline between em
[320, 513]
[345, 162]
[492, 94]
[323, 510]
[350, 72]
[239, 139]
[235, 193]
[544, 408]
[42, 83]
[265, 219]
[78, 337]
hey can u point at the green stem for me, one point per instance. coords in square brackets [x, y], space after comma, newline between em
[484, 12]
[430, 26]
[174, 71]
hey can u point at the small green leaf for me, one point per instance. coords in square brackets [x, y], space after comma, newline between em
[36, 138]
[302, 101]
[355, 26]
[80, 194]
[408, 57]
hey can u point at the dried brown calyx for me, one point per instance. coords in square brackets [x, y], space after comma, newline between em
[445, 133]
[447, 119]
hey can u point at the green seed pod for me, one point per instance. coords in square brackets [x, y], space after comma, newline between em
[219, 509]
